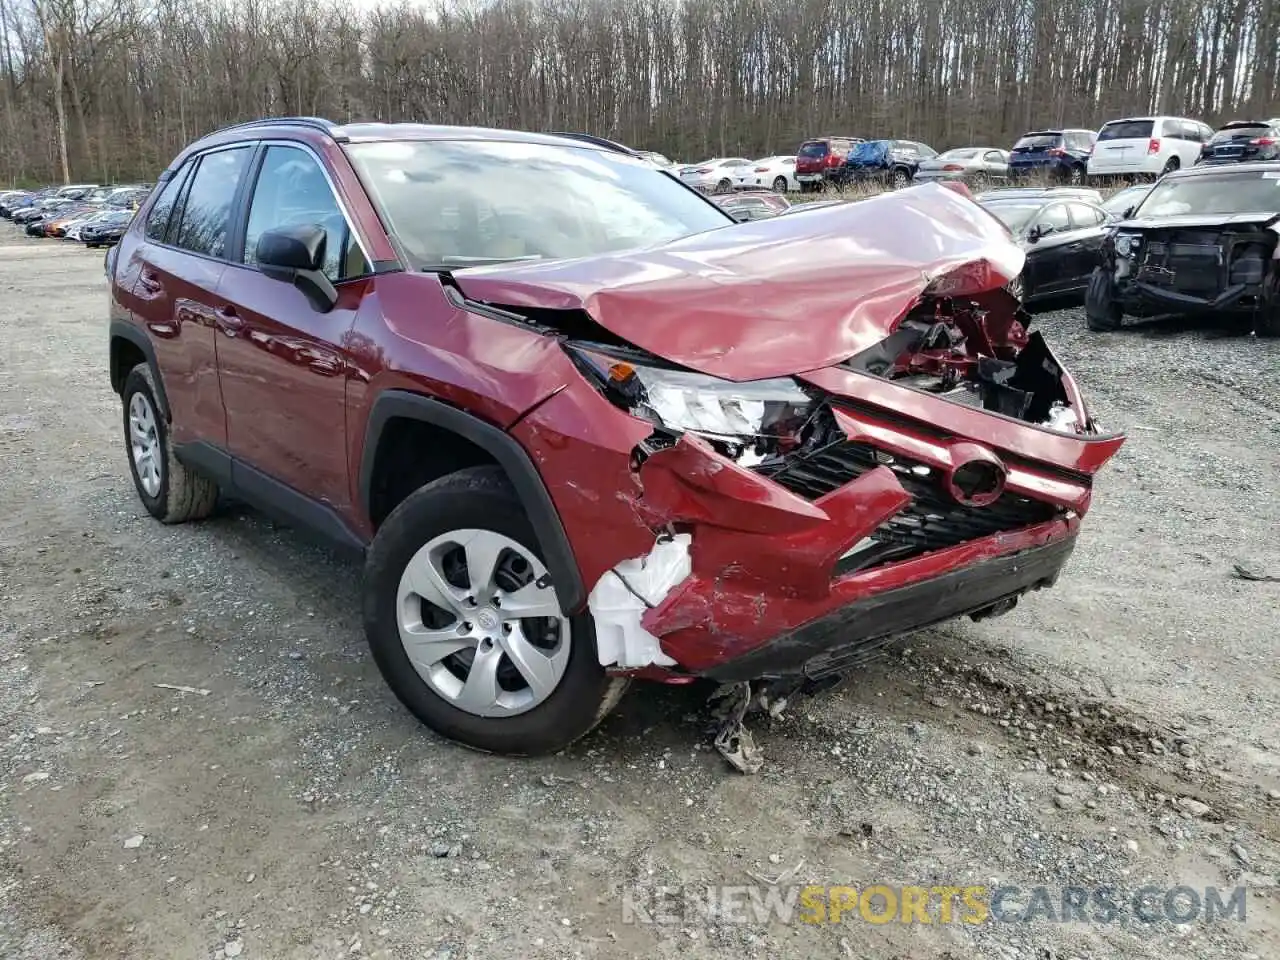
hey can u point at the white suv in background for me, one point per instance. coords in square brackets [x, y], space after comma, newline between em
[1147, 146]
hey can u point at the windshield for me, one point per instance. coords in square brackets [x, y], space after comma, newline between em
[1013, 215]
[965, 154]
[457, 203]
[1126, 198]
[1038, 141]
[1226, 193]
[1127, 130]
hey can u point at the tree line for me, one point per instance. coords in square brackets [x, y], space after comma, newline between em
[111, 89]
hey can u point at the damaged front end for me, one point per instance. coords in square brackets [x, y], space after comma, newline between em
[1196, 265]
[769, 467]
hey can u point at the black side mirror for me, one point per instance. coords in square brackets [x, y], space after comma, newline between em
[296, 255]
[1128, 212]
[1034, 234]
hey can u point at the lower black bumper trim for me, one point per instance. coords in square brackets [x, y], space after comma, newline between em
[844, 637]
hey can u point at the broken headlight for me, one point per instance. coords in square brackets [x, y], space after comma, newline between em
[685, 401]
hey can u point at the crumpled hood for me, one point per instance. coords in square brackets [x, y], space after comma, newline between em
[773, 297]
[1190, 220]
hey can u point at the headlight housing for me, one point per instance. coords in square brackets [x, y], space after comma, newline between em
[685, 401]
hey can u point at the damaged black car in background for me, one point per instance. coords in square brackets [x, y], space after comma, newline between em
[1204, 241]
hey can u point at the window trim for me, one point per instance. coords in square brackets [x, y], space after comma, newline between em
[181, 203]
[255, 171]
[179, 182]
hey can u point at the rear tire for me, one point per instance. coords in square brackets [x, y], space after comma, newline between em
[1172, 164]
[779, 184]
[724, 186]
[170, 492]
[899, 178]
[1101, 312]
[477, 501]
[1075, 176]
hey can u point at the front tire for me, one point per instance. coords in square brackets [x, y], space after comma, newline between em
[170, 492]
[1101, 312]
[1267, 320]
[463, 634]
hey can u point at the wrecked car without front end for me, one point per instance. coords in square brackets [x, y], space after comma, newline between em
[1202, 241]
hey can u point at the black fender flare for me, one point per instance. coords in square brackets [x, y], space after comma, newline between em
[515, 462]
[120, 330]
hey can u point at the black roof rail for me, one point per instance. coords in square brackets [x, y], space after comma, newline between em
[599, 142]
[327, 127]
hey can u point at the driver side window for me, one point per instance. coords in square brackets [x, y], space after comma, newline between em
[292, 191]
[1052, 219]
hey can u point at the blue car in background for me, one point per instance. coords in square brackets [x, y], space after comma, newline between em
[889, 161]
[1056, 156]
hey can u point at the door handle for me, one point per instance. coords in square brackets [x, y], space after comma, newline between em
[228, 320]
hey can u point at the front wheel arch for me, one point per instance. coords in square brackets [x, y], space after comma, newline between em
[504, 451]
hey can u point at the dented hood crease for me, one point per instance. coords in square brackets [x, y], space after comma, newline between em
[772, 297]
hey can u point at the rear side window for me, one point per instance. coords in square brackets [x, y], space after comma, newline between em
[1127, 130]
[158, 216]
[206, 211]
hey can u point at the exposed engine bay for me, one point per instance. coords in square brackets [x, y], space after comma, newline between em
[967, 353]
[1195, 268]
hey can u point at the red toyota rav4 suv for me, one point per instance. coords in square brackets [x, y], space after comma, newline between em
[582, 425]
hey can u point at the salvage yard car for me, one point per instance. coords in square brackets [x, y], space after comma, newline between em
[1061, 234]
[1203, 240]
[582, 425]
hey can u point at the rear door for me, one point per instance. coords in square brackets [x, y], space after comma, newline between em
[1031, 152]
[179, 267]
[995, 164]
[1122, 146]
[282, 363]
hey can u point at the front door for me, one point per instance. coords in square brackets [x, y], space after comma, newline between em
[1045, 266]
[282, 366]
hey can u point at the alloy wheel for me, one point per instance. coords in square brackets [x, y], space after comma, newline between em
[144, 444]
[481, 624]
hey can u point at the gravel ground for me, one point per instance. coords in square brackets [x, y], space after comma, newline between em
[1119, 730]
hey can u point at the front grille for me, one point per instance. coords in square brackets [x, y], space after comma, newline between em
[932, 521]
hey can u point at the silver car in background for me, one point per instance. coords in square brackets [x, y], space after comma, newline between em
[973, 164]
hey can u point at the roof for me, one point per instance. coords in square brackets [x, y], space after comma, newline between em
[1202, 169]
[307, 128]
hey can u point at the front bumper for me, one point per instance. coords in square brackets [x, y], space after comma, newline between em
[1140, 298]
[772, 588]
[845, 637]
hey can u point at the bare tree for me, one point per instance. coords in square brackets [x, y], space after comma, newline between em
[114, 88]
